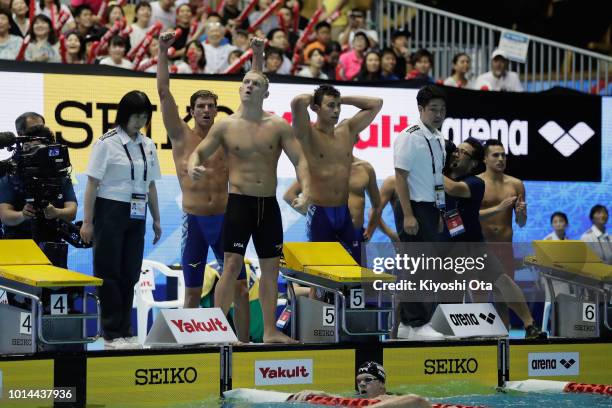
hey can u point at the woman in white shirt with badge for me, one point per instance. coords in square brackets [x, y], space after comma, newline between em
[122, 170]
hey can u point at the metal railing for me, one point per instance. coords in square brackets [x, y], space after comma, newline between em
[445, 34]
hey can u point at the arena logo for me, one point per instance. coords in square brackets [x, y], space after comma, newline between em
[464, 319]
[553, 364]
[566, 142]
[166, 375]
[450, 366]
[514, 135]
[279, 372]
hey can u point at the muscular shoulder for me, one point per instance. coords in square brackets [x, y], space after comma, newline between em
[517, 183]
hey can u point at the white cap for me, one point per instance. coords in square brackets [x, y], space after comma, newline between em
[499, 53]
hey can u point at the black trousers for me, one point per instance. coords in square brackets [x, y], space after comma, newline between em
[417, 314]
[117, 259]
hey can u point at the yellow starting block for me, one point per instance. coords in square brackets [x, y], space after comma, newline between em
[329, 267]
[26, 271]
[574, 263]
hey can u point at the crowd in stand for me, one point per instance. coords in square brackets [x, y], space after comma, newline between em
[215, 40]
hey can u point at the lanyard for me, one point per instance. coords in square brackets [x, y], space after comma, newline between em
[144, 159]
[433, 165]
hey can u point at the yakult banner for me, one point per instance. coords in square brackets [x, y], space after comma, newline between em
[545, 135]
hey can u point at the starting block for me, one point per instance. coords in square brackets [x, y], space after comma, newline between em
[26, 272]
[574, 263]
[329, 267]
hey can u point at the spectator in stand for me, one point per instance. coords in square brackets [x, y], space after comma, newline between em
[460, 73]
[370, 68]
[273, 60]
[388, 61]
[499, 78]
[142, 19]
[302, 21]
[350, 61]
[216, 53]
[21, 20]
[332, 56]
[323, 37]
[401, 48]
[9, 44]
[194, 60]
[149, 63]
[75, 49]
[93, 4]
[241, 39]
[314, 68]
[184, 17]
[286, 15]
[357, 22]
[163, 11]
[113, 13]
[85, 22]
[231, 10]
[43, 42]
[558, 221]
[45, 7]
[278, 38]
[5, 4]
[116, 54]
[233, 56]
[211, 19]
[422, 60]
[269, 23]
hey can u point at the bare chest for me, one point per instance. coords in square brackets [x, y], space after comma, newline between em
[495, 193]
[247, 140]
[336, 149]
[358, 182]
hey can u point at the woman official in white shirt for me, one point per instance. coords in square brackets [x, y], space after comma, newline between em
[122, 170]
[559, 222]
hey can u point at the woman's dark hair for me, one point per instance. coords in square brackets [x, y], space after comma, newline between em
[364, 74]
[456, 58]
[133, 103]
[51, 38]
[420, 54]
[365, 37]
[139, 5]
[82, 48]
[202, 60]
[559, 214]
[41, 3]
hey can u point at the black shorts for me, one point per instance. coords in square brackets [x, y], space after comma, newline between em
[259, 217]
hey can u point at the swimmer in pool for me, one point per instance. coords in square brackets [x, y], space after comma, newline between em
[371, 384]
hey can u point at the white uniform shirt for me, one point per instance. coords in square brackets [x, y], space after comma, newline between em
[509, 82]
[553, 237]
[110, 164]
[411, 153]
[601, 243]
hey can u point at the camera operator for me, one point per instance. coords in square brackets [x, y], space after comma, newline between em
[27, 120]
[24, 220]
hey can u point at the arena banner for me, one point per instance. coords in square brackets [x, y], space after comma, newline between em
[153, 380]
[553, 136]
[438, 365]
[585, 363]
[292, 371]
[556, 128]
[26, 383]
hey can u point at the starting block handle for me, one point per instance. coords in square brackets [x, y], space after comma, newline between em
[83, 316]
[33, 309]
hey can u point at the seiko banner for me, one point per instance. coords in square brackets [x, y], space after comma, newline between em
[551, 136]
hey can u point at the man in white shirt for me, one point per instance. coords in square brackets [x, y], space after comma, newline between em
[597, 235]
[216, 54]
[163, 11]
[418, 157]
[357, 22]
[499, 78]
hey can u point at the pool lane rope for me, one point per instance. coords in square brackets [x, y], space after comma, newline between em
[558, 387]
[363, 402]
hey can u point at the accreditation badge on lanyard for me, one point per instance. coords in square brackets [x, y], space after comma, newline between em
[454, 223]
[438, 178]
[138, 203]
